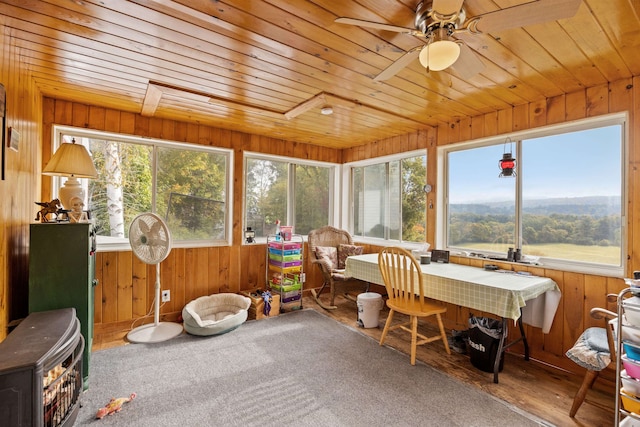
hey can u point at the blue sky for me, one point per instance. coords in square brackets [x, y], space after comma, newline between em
[576, 164]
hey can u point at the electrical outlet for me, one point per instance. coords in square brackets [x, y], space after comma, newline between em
[166, 296]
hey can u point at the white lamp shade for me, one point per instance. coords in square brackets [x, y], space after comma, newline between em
[439, 55]
[71, 160]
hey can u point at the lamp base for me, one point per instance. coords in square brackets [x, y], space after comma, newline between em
[70, 190]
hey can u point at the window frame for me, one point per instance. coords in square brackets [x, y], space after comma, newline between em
[348, 202]
[334, 188]
[442, 212]
[123, 244]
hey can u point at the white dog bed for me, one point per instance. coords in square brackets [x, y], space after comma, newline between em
[215, 314]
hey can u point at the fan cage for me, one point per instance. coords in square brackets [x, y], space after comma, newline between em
[150, 238]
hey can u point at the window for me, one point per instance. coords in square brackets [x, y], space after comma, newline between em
[187, 185]
[388, 199]
[297, 193]
[565, 205]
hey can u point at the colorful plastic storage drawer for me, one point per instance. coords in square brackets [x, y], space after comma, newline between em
[290, 306]
[286, 287]
[292, 298]
[286, 252]
[289, 270]
[285, 264]
[283, 246]
[291, 295]
[280, 257]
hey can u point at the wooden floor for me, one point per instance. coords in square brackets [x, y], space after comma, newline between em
[540, 390]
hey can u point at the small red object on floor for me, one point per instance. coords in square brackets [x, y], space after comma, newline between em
[114, 405]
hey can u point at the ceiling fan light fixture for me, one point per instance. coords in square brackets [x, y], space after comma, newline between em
[439, 21]
[439, 55]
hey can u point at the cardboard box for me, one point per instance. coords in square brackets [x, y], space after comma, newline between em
[256, 310]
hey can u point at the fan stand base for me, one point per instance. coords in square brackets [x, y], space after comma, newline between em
[153, 333]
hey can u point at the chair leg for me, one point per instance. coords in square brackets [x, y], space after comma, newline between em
[589, 379]
[386, 326]
[316, 296]
[333, 294]
[414, 338]
[443, 334]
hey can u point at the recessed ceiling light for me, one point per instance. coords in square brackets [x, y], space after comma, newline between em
[327, 110]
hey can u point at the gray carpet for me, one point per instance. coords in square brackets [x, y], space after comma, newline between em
[301, 369]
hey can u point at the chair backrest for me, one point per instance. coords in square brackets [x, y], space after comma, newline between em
[328, 236]
[401, 274]
[610, 326]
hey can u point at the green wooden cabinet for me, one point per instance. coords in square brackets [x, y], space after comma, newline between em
[62, 274]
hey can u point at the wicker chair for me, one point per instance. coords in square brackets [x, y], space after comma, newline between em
[331, 237]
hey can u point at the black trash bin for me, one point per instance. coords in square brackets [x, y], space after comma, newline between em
[484, 339]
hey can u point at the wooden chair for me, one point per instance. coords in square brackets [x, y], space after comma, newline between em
[325, 238]
[404, 282]
[593, 350]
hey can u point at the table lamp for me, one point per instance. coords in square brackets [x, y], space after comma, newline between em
[73, 161]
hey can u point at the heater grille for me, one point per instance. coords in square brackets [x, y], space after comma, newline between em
[61, 389]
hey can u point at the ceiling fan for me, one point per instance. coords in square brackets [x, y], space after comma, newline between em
[438, 21]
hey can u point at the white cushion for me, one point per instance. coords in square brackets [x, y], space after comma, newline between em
[591, 350]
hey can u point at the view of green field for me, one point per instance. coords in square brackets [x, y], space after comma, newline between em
[599, 254]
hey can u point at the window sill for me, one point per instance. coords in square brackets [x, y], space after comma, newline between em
[556, 264]
[111, 244]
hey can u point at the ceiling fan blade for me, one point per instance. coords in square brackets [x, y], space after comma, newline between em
[399, 64]
[447, 7]
[378, 25]
[468, 63]
[522, 15]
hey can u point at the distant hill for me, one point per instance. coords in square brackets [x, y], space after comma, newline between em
[597, 206]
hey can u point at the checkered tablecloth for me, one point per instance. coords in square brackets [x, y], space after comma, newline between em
[499, 293]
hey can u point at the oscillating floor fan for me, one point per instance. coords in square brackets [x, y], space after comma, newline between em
[151, 242]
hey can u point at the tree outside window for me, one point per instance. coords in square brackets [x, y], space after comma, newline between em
[297, 194]
[186, 186]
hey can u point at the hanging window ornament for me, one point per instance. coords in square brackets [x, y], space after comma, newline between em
[507, 164]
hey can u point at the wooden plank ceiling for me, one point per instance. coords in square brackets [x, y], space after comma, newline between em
[268, 66]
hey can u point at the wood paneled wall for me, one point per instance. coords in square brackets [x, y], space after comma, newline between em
[20, 187]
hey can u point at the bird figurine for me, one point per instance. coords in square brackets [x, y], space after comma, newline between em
[114, 405]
